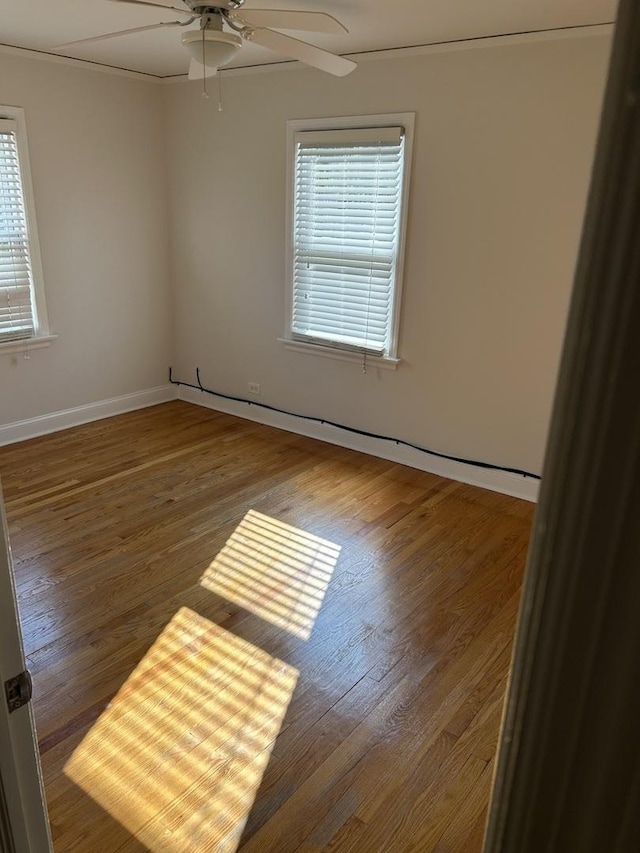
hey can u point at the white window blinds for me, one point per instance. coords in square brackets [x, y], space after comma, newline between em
[17, 315]
[346, 224]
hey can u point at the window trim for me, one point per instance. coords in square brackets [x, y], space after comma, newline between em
[407, 121]
[42, 335]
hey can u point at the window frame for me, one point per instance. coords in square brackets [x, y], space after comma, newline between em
[294, 126]
[42, 335]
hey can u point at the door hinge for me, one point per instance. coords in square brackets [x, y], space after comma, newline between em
[18, 690]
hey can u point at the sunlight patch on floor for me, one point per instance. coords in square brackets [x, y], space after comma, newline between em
[178, 756]
[276, 571]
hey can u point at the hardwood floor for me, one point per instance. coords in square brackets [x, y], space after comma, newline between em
[245, 639]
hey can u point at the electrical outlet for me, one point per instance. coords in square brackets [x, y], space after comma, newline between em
[254, 388]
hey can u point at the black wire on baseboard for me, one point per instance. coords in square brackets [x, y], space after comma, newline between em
[399, 441]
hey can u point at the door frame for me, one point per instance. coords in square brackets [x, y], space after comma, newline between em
[568, 769]
[24, 824]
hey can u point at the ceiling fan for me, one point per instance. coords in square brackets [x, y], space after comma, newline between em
[212, 46]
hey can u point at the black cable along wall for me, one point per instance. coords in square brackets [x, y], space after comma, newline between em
[399, 441]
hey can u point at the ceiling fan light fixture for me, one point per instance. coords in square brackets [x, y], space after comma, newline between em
[219, 47]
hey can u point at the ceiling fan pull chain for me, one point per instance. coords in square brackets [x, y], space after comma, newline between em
[219, 76]
[205, 93]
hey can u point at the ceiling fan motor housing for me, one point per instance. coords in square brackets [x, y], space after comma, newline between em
[199, 7]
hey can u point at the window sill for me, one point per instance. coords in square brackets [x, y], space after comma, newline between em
[384, 362]
[27, 344]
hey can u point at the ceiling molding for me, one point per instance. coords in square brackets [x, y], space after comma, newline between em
[559, 33]
[582, 31]
[31, 53]
[480, 42]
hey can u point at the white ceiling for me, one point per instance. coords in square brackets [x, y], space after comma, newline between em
[372, 25]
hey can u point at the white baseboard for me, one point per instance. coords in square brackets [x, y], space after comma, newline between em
[487, 478]
[33, 427]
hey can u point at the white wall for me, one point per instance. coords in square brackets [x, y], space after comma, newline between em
[503, 148]
[98, 168]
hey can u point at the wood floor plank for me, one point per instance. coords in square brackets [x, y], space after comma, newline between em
[246, 640]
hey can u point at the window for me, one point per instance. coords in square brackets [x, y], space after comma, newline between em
[22, 309]
[349, 181]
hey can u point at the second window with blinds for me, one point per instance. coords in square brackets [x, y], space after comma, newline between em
[348, 195]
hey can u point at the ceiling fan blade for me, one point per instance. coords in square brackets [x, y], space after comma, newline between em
[281, 19]
[157, 6]
[118, 33]
[199, 72]
[296, 49]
